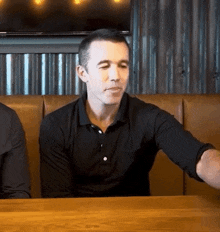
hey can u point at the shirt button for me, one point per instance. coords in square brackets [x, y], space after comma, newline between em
[92, 126]
[100, 132]
[105, 158]
[101, 145]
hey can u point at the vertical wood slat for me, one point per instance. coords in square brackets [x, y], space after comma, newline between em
[39, 74]
[2, 74]
[194, 67]
[217, 50]
[203, 49]
[178, 61]
[163, 49]
[135, 64]
[211, 45]
[187, 47]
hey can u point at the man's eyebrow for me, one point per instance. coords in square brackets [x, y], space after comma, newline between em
[124, 61]
[103, 61]
[108, 61]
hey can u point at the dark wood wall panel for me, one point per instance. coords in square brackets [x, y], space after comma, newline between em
[178, 47]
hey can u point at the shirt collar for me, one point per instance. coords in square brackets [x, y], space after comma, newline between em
[121, 115]
[83, 118]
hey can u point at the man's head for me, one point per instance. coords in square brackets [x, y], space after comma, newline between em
[104, 66]
[111, 35]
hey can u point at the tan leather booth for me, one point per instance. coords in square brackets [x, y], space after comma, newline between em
[200, 114]
[202, 119]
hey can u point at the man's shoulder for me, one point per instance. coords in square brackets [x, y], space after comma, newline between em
[8, 118]
[6, 112]
[141, 108]
[139, 105]
[61, 114]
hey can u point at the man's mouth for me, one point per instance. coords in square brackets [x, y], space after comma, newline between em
[114, 89]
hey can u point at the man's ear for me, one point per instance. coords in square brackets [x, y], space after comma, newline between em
[82, 73]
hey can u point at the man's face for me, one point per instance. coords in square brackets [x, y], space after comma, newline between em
[108, 71]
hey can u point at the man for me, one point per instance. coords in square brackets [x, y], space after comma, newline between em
[14, 175]
[105, 143]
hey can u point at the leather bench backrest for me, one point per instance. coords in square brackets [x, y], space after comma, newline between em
[29, 110]
[202, 119]
[54, 102]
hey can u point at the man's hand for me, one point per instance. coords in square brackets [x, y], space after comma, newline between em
[208, 168]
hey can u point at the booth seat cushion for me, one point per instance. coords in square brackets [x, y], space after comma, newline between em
[29, 110]
[166, 178]
[202, 119]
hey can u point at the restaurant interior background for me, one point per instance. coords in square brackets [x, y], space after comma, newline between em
[175, 48]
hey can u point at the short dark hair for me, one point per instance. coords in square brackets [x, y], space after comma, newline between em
[98, 35]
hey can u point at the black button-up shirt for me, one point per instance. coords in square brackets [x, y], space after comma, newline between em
[78, 159]
[14, 175]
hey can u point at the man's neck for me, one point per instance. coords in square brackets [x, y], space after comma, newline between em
[100, 114]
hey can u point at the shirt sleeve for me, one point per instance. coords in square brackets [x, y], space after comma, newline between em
[179, 145]
[15, 174]
[55, 165]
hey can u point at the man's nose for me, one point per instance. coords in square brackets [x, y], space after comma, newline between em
[114, 73]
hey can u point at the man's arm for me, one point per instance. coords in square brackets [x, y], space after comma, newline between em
[180, 145]
[55, 163]
[15, 175]
[208, 168]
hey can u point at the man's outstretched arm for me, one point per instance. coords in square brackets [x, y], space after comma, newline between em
[208, 168]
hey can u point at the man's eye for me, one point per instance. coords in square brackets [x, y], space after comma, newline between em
[123, 66]
[104, 67]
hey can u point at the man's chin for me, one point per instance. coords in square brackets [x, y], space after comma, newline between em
[111, 99]
[111, 102]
